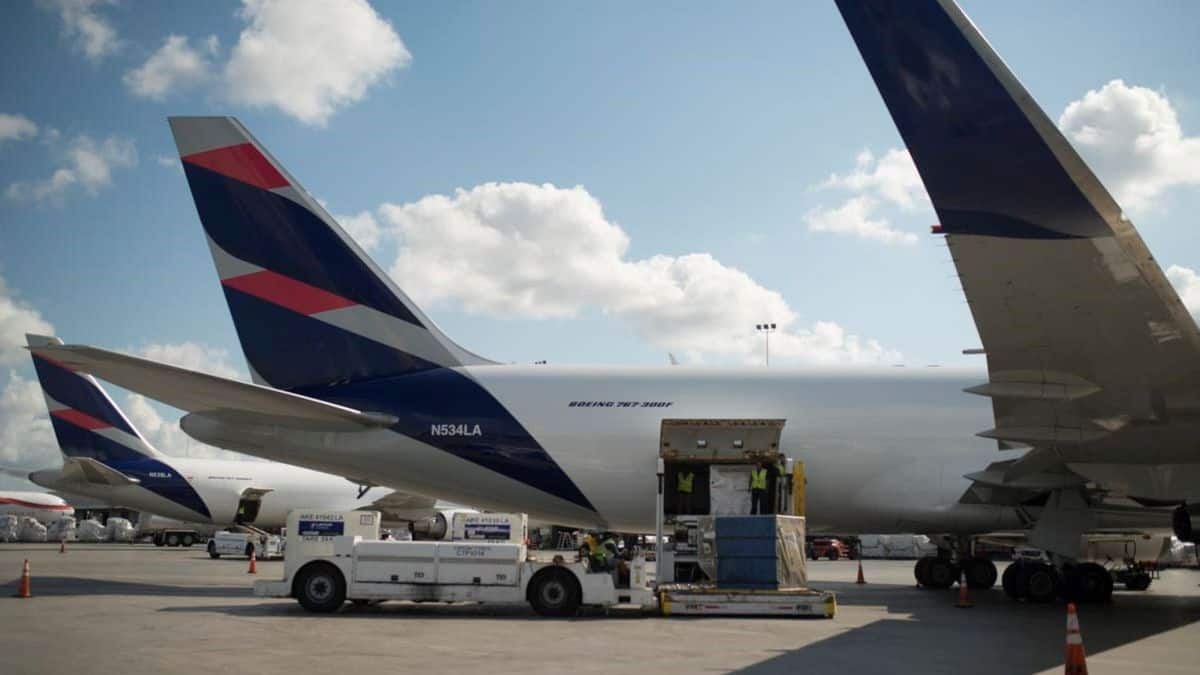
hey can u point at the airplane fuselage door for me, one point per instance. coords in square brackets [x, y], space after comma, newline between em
[249, 505]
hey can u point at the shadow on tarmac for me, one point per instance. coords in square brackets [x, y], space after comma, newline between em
[68, 586]
[997, 634]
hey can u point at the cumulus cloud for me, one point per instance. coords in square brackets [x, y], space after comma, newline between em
[1187, 283]
[26, 437]
[16, 319]
[1132, 139]
[875, 183]
[362, 227]
[310, 58]
[16, 127]
[175, 66]
[93, 33]
[85, 164]
[537, 251]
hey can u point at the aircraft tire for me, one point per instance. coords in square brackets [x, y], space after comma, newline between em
[921, 571]
[172, 539]
[1041, 582]
[981, 573]
[1138, 582]
[212, 550]
[941, 573]
[188, 540]
[1012, 580]
[1087, 582]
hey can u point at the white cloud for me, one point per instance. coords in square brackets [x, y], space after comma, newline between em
[310, 58]
[175, 66]
[193, 356]
[16, 127]
[362, 227]
[96, 36]
[85, 163]
[535, 251]
[857, 216]
[1132, 139]
[26, 437]
[16, 319]
[1187, 283]
[891, 180]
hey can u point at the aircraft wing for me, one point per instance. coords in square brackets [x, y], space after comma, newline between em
[212, 395]
[1092, 358]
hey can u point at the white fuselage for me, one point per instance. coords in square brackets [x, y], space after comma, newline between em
[44, 508]
[220, 485]
[885, 450]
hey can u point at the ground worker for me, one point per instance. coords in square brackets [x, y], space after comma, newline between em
[759, 504]
[597, 555]
[684, 482]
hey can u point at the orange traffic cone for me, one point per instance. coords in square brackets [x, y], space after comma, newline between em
[861, 580]
[964, 599]
[23, 587]
[1076, 663]
[253, 565]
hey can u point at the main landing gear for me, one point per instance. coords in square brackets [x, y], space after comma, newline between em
[941, 571]
[1037, 581]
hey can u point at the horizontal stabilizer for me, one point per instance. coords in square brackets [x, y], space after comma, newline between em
[88, 470]
[1037, 435]
[200, 392]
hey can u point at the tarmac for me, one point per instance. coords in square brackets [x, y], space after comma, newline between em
[140, 609]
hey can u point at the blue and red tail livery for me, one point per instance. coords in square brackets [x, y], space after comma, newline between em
[296, 284]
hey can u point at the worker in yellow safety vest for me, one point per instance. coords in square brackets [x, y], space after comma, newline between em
[685, 480]
[759, 504]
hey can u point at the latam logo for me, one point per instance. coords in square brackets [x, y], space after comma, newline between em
[455, 430]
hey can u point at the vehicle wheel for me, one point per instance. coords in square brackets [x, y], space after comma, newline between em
[249, 549]
[188, 540]
[833, 554]
[212, 550]
[1087, 582]
[158, 541]
[1013, 580]
[554, 593]
[921, 571]
[1042, 582]
[1138, 582]
[172, 539]
[941, 573]
[321, 588]
[981, 573]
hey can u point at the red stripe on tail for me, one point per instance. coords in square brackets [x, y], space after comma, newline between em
[240, 162]
[287, 292]
[80, 419]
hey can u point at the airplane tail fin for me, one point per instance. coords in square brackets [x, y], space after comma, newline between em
[310, 308]
[87, 423]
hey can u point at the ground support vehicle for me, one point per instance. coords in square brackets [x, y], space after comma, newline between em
[244, 540]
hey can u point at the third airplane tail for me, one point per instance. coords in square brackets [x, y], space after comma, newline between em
[310, 308]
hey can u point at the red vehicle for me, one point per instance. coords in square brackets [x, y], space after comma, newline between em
[833, 549]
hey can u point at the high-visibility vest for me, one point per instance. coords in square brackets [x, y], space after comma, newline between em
[758, 479]
[683, 482]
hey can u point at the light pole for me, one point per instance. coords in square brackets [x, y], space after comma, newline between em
[766, 329]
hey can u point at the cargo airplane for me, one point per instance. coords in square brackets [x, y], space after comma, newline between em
[1086, 420]
[106, 458]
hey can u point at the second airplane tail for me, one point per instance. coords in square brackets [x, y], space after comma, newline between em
[310, 308]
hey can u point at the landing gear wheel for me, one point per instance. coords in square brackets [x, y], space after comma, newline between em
[1138, 582]
[172, 539]
[1087, 582]
[212, 550]
[555, 593]
[921, 571]
[1041, 583]
[941, 573]
[188, 540]
[980, 572]
[1011, 581]
[321, 588]
[158, 540]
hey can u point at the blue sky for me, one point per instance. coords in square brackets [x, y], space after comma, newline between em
[698, 128]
